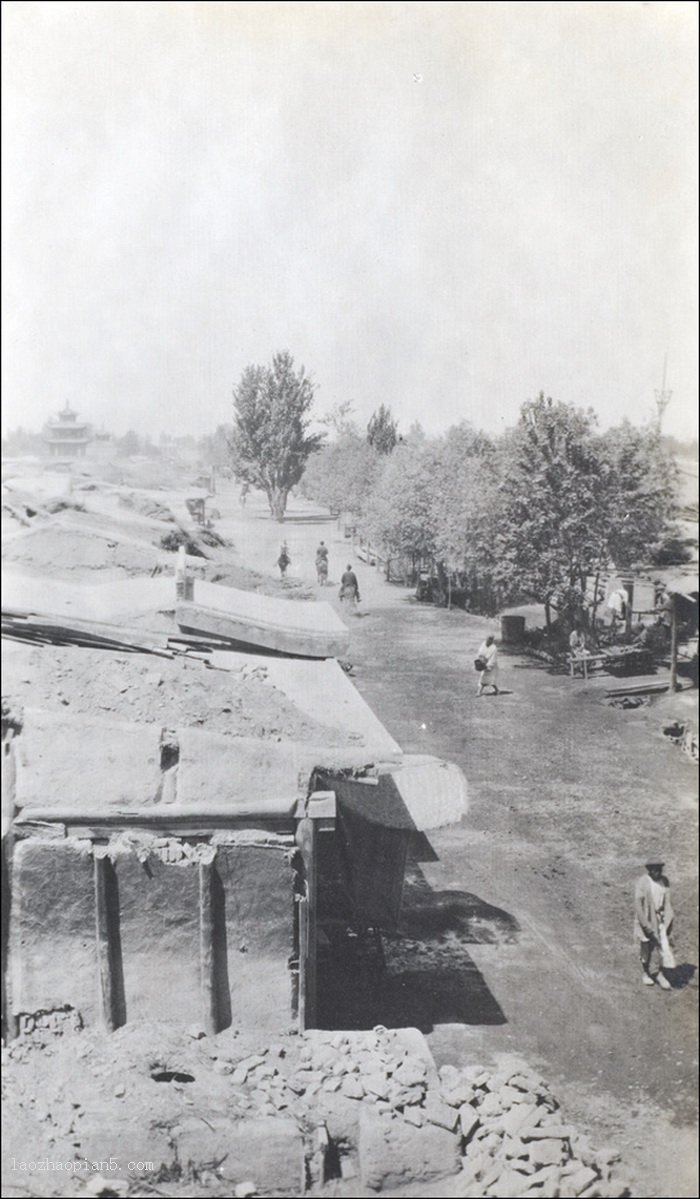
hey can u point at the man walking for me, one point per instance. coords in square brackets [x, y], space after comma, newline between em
[653, 917]
[322, 564]
[489, 673]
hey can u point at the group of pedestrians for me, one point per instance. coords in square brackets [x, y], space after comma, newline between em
[653, 913]
[349, 592]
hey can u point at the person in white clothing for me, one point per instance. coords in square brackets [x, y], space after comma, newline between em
[653, 921]
[489, 656]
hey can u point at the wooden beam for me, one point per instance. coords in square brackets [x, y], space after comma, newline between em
[307, 842]
[105, 957]
[206, 950]
[262, 810]
[311, 643]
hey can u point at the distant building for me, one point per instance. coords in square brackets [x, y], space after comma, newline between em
[102, 445]
[67, 437]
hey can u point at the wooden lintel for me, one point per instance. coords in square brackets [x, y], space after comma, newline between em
[263, 812]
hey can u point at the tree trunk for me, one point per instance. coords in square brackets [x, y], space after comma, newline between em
[594, 610]
[548, 617]
[278, 503]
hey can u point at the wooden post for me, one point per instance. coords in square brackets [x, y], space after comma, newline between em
[206, 949]
[629, 588]
[307, 842]
[674, 644]
[105, 955]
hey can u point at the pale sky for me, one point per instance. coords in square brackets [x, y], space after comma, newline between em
[444, 207]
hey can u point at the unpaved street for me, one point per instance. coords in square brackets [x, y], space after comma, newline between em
[517, 939]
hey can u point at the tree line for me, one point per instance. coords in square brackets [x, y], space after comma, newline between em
[532, 514]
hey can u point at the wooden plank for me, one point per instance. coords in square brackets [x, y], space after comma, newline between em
[638, 689]
[310, 643]
[307, 909]
[72, 626]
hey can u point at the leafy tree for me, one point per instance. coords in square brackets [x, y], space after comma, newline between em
[129, 444]
[400, 512]
[416, 434]
[343, 473]
[339, 418]
[641, 484]
[465, 505]
[576, 503]
[22, 441]
[216, 448]
[382, 430]
[554, 527]
[271, 443]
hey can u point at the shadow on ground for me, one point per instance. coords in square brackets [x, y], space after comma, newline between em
[418, 975]
[682, 976]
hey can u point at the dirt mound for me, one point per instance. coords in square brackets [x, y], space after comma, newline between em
[171, 692]
[146, 504]
[62, 550]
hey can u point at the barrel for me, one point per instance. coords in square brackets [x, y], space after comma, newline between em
[512, 630]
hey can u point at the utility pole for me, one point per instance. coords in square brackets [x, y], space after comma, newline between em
[663, 397]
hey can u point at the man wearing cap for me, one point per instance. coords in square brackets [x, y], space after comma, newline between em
[653, 917]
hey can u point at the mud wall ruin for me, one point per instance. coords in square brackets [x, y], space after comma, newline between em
[134, 937]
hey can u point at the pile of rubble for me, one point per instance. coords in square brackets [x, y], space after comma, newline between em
[325, 1112]
[682, 734]
[516, 1142]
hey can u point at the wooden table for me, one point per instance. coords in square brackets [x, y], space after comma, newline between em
[584, 661]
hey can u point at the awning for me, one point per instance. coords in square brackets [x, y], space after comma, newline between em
[685, 585]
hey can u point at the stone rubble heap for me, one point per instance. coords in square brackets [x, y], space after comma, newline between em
[515, 1142]
[503, 1130]
[305, 1114]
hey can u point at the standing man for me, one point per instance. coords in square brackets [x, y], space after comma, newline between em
[653, 917]
[322, 564]
[284, 560]
[489, 674]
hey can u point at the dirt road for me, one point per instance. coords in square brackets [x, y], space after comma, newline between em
[517, 938]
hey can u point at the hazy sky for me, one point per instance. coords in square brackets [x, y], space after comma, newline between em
[445, 207]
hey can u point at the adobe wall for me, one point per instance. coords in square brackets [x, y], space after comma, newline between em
[53, 959]
[155, 932]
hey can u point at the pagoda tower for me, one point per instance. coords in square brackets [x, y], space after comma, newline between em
[66, 436]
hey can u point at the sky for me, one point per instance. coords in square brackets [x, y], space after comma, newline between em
[443, 207]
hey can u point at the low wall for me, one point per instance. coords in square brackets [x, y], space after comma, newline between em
[132, 934]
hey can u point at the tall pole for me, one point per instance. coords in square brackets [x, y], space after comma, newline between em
[663, 397]
[674, 643]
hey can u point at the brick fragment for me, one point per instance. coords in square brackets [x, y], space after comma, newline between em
[582, 1179]
[392, 1152]
[377, 1084]
[490, 1105]
[351, 1087]
[440, 1114]
[520, 1116]
[546, 1153]
[411, 1071]
[468, 1120]
[562, 1132]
